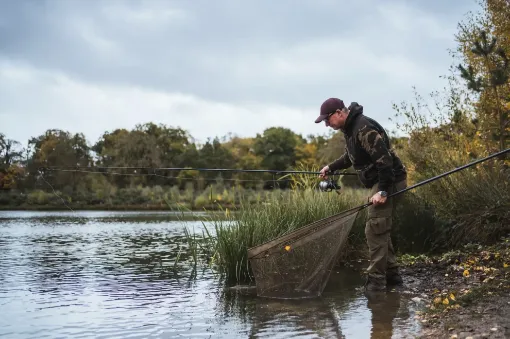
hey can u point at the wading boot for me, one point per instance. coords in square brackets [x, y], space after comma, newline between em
[393, 278]
[375, 284]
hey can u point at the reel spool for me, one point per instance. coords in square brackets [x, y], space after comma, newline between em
[329, 185]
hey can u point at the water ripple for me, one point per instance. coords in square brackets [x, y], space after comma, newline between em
[111, 275]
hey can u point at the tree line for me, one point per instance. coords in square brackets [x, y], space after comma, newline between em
[137, 152]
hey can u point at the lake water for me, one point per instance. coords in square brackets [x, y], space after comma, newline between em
[112, 275]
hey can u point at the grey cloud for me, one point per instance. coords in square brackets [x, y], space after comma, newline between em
[210, 48]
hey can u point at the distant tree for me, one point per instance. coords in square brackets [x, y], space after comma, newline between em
[277, 147]
[57, 148]
[11, 173]
[10, 152]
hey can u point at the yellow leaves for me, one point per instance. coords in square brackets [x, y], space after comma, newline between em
[287, 248]
[10, 178]
[466, 273]
[505, 265]
[444, 301]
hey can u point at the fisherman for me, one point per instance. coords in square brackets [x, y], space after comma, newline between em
[379, 168]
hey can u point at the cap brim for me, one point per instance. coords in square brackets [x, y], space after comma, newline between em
[320, 118]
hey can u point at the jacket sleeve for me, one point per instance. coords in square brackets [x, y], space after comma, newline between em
[341, 163]
[373, 143]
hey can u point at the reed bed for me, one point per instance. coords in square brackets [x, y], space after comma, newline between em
[228, 237]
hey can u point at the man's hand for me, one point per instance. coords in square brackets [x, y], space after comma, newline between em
[378, 199]
[324, 172]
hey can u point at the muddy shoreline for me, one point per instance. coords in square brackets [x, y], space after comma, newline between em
[464, 293]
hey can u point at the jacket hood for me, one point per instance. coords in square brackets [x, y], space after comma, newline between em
[355, 110]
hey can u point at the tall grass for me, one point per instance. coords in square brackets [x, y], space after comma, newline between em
[473, 204]
[280, 213]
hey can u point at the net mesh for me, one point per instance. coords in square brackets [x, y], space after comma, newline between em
[298, 265]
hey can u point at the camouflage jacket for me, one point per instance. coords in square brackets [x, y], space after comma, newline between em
[369, 152]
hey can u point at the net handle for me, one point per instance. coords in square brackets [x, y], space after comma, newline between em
[447, 173]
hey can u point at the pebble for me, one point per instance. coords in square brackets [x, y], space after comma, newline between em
[454, 336]
[416, 300]
[494, 329]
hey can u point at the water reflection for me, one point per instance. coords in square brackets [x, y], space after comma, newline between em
[384, 308]
[105, 275]
[344, 311]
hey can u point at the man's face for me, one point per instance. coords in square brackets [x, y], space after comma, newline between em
[336, 120]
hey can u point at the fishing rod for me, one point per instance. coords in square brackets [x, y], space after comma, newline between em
[57, 168]
[326, 185]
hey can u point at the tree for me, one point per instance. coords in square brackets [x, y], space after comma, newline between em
[331, 148]
[277, 147]
[10, 152]
[147, 146]
[484, 47]
[171, 143]
[490, 81]
[57, 148]
[244, 157]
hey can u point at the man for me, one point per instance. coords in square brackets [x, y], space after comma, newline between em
[369, 152]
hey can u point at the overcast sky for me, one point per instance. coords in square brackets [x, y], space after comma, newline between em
[214, 67]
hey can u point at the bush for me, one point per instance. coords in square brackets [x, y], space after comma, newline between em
[38, 197]
[471, 205]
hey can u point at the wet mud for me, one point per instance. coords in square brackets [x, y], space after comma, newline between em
[465, 293]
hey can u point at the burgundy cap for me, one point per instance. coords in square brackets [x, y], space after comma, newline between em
[329, 106]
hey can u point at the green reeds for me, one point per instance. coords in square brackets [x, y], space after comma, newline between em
[281, 212]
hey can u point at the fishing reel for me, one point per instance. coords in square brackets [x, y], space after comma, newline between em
[329, 185]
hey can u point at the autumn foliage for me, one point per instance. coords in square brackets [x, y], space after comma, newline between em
[467, 121]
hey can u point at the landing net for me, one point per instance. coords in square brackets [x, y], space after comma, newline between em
[298, 265]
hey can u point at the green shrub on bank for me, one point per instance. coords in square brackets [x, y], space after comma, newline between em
[472, 205]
